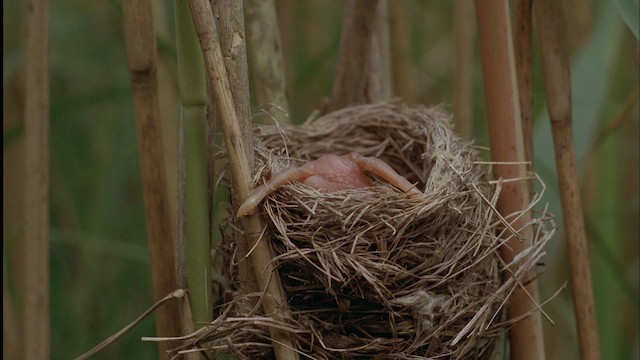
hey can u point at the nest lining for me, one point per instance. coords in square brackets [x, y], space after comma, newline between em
[376, 273]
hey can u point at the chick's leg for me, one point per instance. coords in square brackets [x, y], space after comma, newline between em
[380, 168]
[277, 181]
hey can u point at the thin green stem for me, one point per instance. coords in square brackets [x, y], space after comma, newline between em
[197, 218]
[193, 215]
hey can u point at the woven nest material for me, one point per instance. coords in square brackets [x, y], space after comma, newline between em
[375, 273]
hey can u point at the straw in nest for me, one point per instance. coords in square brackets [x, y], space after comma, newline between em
[373, 272]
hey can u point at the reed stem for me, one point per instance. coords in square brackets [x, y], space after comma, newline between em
[352, 73]
[10, 325]
[505, 134]
[523, 48]
[274, 302]
[267, 60]
[232, 43]
[142, 58]
[401, 65]
[36, 221]
[194, 246]
[555, 60]
[234, 52]
[379, 84]
[462, 98]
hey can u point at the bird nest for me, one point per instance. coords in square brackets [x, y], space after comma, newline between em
[374, 272]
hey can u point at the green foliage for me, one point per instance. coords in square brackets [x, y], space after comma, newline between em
[630, 13]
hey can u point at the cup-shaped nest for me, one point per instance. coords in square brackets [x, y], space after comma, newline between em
[375, 272]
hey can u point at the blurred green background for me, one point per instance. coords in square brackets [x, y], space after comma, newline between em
[100, 278]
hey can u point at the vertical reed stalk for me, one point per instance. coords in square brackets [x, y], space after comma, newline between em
[286, 14]
[523, 48]
[36, 221]
[10, 326]
[463, 68]
[232, 43]
[266, 58]
[401, 66]
[505, 133]
[234, 52]
[630, 181]
[197, 214]
[555, 61]
[379, 81]
[349, 87]
[274, 302]
[194, 247]
[167, 107]
[141, 54]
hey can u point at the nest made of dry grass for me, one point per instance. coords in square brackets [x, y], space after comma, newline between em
[375, 273]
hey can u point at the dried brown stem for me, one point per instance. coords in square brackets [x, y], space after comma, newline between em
[555, 59]
[401, 66]
[505, 132]
[36, 221]
[168, 110]
[234, 52]
[523, 48]
[274, 303]
[286, 13]
[463, 68]
[379, 82]
[177, 294]
[141, 55]
[266, 58]
[192, 238]
[352, 72]
[10, 325]
[232, 42]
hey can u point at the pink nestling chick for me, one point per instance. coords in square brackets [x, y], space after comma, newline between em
[330, 173]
